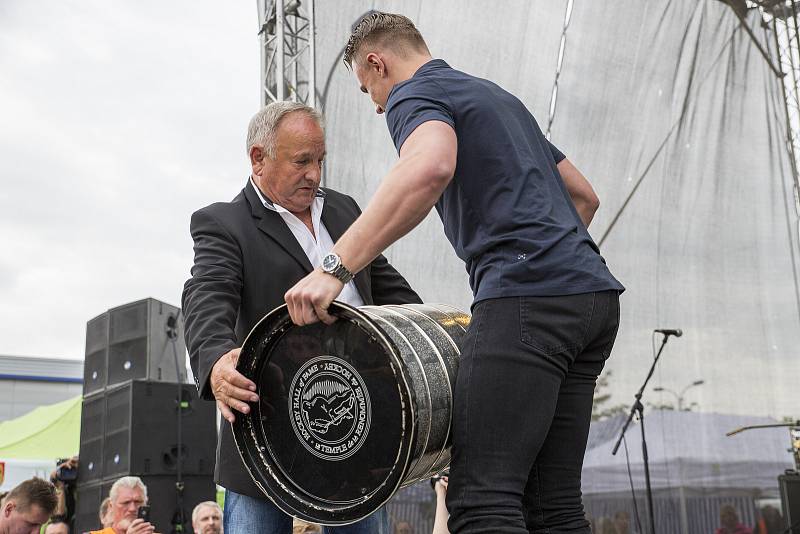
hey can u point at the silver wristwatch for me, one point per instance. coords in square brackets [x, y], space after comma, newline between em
[332, 264]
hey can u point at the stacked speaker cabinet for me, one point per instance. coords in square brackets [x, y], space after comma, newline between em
[141, 438]
[789, 484]
[132, 341]
[134, 393]
[95, 363]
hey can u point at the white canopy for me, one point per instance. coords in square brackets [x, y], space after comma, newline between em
[687, 450]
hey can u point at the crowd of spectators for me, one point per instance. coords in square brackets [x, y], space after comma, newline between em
[36, 506]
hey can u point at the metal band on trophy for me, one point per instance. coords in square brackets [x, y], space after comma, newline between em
[349, 413]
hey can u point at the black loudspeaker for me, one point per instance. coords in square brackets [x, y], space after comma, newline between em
[161, 497]
[133, 342]
[131, 429]
[87, 505]
[164, 502]
[95, 362]
[790, 500]
[139, 345]
[140, 434]
[90, 467]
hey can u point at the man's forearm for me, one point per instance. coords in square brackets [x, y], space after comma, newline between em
[580, 191]
[586, 210]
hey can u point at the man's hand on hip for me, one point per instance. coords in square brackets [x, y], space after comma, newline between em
[310, 298]
[231, 389]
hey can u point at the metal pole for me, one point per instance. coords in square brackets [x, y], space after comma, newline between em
[646, 459]
[262, 40]
[280, 47]
[789, 135]
[312, 58]
[294, 87]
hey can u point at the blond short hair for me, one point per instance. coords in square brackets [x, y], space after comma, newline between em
[34, 492]
[385, 30]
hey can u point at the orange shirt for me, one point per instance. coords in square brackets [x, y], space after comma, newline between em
[107, 530]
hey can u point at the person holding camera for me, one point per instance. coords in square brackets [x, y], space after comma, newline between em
[128, 496]
[63, 477]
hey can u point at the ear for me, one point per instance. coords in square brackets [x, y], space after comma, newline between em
[376, 64]
[257, 156]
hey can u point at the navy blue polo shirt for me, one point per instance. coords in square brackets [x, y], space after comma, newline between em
[506, 212]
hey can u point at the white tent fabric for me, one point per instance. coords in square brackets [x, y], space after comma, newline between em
[678, 122]
[664, 101]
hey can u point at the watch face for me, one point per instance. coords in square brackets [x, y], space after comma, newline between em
[330, 262]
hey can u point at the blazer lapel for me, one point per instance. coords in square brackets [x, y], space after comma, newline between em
[271, 223]
[337, 223]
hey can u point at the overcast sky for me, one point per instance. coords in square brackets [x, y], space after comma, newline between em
[118, 120]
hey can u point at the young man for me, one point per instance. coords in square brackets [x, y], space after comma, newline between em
[546, 307]
[27, 507]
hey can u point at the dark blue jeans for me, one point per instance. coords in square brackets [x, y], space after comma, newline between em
[246, 515]
[523, 402]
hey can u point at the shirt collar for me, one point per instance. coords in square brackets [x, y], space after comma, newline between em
[275, 207]
[430, 65]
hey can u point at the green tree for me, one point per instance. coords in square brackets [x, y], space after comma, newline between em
[600, 408]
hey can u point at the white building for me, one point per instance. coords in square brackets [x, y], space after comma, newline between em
[27, 382]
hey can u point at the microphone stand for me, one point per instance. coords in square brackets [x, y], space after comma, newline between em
[638, 408]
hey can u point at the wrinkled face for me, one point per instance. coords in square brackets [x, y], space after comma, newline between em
[209, 521]
[16, 521]
[127, 504]
[291, 180]
[373, 81]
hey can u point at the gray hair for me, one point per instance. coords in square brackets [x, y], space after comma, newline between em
[210, 504]
[127, 482]
[263, 126]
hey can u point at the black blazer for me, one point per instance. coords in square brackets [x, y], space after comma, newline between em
[245, 259]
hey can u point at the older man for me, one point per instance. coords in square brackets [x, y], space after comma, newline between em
[127, 495]
[207, 518]
[248, 252]
[27, 507]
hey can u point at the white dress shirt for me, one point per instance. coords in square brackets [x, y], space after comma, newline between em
[315, 249]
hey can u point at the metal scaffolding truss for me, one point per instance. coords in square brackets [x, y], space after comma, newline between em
[781, 17]
[286, 38]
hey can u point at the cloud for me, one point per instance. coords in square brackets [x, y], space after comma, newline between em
[120, 119]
